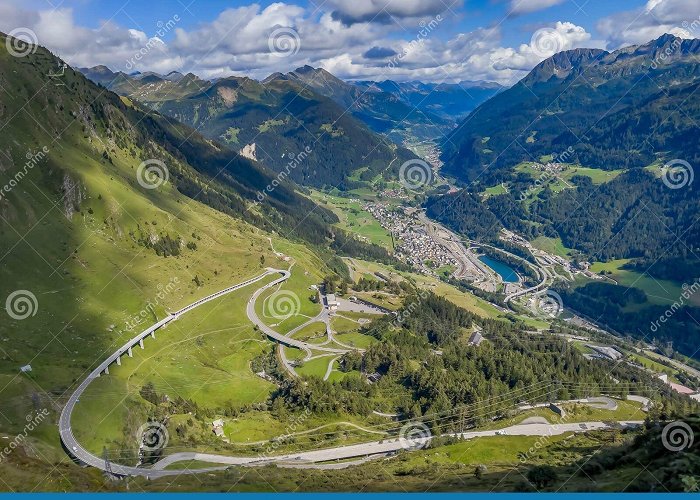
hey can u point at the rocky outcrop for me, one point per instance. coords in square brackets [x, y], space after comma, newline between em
[73, 194]
[249, 152]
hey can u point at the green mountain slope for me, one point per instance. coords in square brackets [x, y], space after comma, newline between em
[384, 112]
[100, 249]
[95, 248]
[669, 451]
[623, 113]
[146, 86]
[615, 110]
[284, 119]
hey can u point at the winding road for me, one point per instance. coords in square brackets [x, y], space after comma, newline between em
[387, 446]
[76, 450]
[282, 339]
[541, 273]
[65, 428]
[303, 459]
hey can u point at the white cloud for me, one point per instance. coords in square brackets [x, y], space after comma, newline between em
[544, 43]
[477, 55]
[518, 7]
[651, 21]
[236, 42]
[79, 46]
[382, 11]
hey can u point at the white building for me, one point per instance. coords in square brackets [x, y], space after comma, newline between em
[332, 302]
[218, 427]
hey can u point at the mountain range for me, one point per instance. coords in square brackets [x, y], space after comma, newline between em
[403, 111]
[625, 112]
[613, 109]
[452, 101]
[103, 136]
[99, 192]
[620, 111]
[284, 113]
[272, 121]
[384, 112]
[146, 87]
[595, 150]
[128, 196]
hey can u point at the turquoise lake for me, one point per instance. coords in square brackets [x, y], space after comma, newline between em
[506, 272]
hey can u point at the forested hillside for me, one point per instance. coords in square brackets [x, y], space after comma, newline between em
[385, 112]
[109, 126]
[615, 110]
[630, 113]
[664, 472]
[427, 368]
[107, 203]
[563, 105]
[306, 135]
[634, 216]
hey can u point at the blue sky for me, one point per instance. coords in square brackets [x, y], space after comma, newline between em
[472, 15]
[429, 40]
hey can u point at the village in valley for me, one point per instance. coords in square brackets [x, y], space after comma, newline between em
[413, 244]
